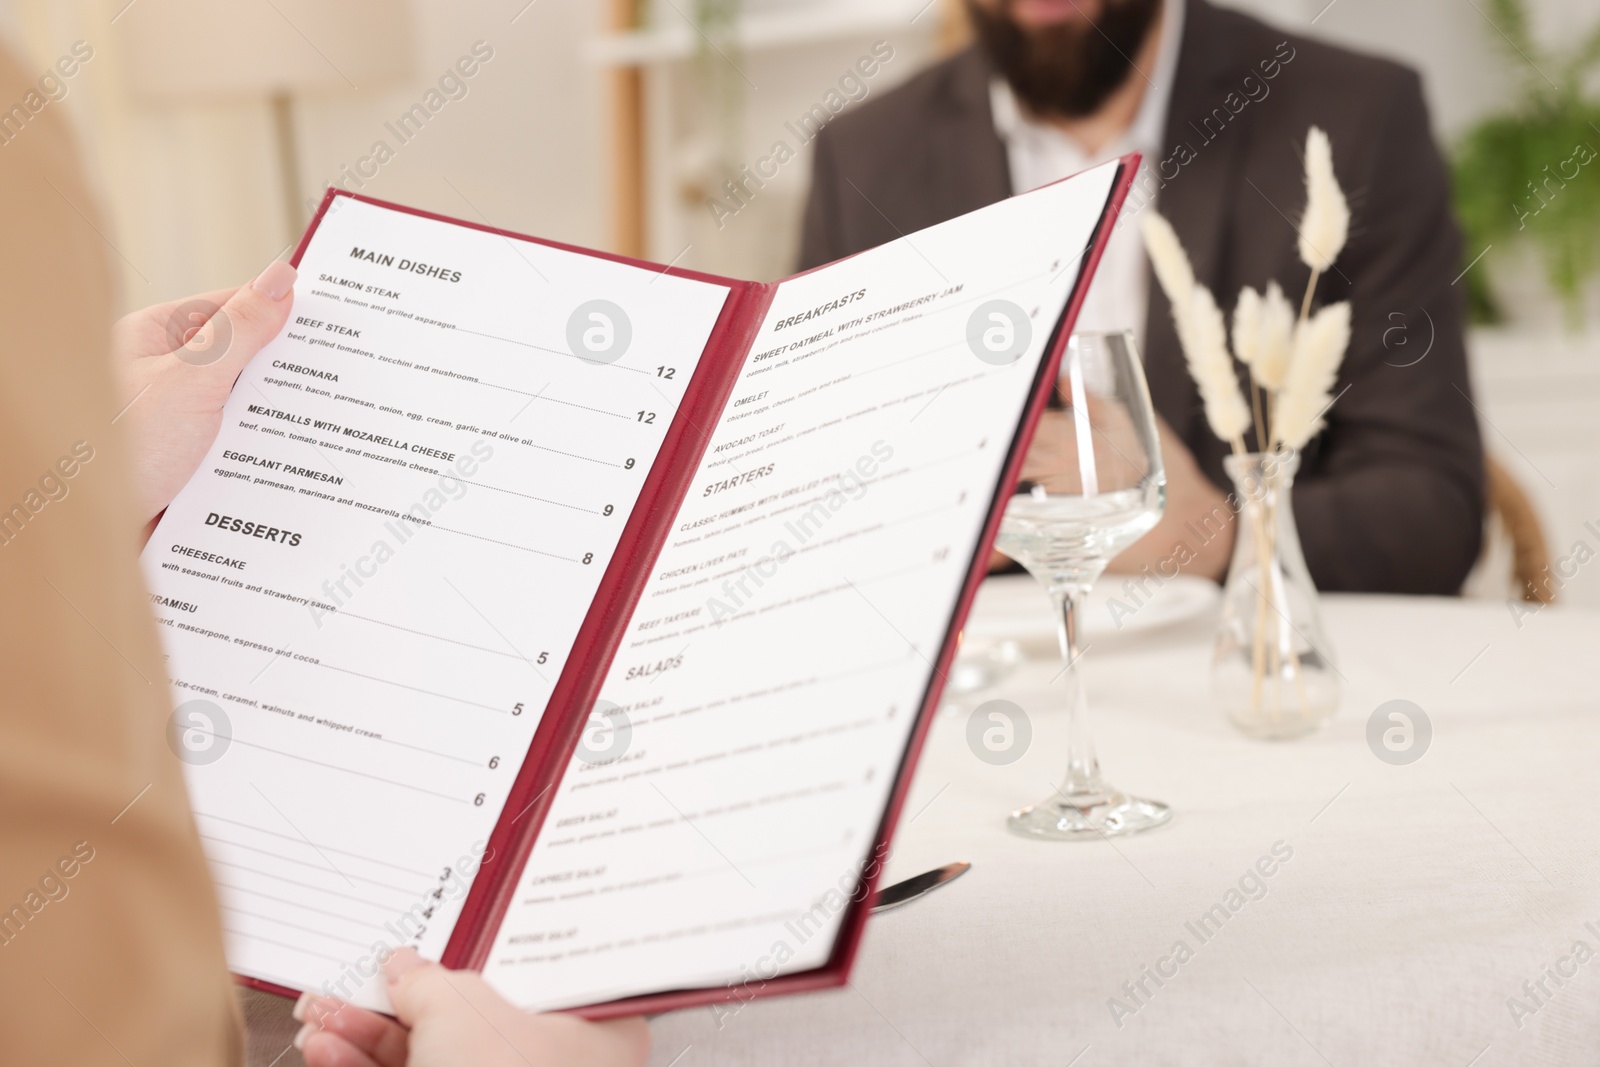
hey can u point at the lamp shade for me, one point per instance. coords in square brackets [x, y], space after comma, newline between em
[185, 48]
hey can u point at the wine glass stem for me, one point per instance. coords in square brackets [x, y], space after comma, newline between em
[1083, 769]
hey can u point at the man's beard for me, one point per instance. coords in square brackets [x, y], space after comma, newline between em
[1069, 69]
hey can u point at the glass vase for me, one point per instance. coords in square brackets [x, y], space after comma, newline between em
[1273, 674]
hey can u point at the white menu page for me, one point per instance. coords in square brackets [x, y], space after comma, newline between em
[369, 589]
[713, 827]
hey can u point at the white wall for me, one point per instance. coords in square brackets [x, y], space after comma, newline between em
[525, 148]
[759, 240]
[193, 192]
[192, 187]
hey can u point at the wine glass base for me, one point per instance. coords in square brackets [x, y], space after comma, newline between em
[1088, 817]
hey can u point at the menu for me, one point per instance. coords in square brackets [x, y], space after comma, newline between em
[576, 619]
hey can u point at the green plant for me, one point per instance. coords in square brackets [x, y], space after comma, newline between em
[1533, 171]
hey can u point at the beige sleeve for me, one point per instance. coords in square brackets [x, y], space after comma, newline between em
[110, 948]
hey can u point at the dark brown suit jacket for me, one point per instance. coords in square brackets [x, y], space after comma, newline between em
[1391, 497]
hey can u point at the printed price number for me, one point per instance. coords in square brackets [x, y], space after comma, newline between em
[446, 874]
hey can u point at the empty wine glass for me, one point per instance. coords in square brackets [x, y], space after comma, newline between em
[1093, 485]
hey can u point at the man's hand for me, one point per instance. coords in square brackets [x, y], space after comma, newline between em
[177, 363]
[1195, 534]
[453, 1019]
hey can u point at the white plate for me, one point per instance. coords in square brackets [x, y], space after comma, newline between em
[1015, 606]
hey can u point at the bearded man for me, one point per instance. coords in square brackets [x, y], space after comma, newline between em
[1390, 498]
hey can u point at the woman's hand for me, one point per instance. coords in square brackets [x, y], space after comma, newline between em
[453, 1019]
[177, 363]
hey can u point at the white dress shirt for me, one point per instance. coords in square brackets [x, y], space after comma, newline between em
[1040, 153]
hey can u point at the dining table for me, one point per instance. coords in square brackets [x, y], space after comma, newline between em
[1413, 890]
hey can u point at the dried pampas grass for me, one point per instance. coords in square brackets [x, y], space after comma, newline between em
[1168, 260]
[1202, 332]
[1263, 334]
[1319, 346]
[1295, 362]
[1277, 338]
[1326, 223]
[1247, 327]
[1211, 365]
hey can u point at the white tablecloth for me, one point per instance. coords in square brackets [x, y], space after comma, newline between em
[1417, 901]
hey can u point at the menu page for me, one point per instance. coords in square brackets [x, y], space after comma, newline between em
[369, 589]
[722, 807]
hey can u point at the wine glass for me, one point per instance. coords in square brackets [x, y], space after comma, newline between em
[1093, 485]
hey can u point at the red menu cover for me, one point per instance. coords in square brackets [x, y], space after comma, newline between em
[763, 334]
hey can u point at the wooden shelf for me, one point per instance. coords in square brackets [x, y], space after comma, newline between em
[782, 28]
[629, 53]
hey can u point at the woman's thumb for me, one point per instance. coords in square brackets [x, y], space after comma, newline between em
[236, 331]
[415, 985]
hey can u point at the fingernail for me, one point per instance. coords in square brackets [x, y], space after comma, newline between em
[305, 1032]
[401, 964]
[275, 282]
[314, 1010]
